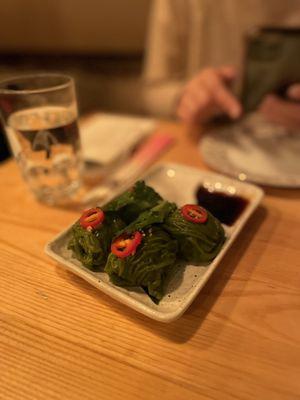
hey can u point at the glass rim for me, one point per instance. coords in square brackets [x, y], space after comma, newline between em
[69, 80]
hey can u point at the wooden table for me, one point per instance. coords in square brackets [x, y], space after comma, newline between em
[60, 338]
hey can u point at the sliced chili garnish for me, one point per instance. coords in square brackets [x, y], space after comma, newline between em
[194, 213]
[126, 244]
[91, 218]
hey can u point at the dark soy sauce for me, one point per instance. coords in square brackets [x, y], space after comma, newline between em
[227, 208]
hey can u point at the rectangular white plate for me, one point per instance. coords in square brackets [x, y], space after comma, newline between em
[175, 183]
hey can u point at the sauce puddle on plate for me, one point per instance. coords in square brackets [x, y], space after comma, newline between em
[227, 208]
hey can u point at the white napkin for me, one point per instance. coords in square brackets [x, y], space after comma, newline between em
[105, 138]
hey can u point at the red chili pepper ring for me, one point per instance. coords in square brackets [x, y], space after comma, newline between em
[91, 218]
[126, 244]
[194, 213]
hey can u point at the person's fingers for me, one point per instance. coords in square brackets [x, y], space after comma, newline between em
[268, 104]
[193, 102]
[197, 108]
[227, 72]
[207, 95]
[227, 102]
[183, 114]
[201, 97]
[294, 92]
[207, 107]
[275, 106]
[281, 111]
[224, 98]
[187, 109]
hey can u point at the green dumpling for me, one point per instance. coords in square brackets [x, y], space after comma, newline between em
[199, 243]
[153, 216]
[91, 247]
[149, 267]
[131, 203]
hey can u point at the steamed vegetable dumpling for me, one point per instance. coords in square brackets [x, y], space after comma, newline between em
[145, 265]
[91, 245]
[199, 234]
[135, 200]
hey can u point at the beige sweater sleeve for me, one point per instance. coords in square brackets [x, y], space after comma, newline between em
[165, 59]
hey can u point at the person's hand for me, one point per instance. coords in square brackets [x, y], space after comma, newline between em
[281, 111]
[207, 95]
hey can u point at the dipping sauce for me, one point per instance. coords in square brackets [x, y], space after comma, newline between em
[227, 208]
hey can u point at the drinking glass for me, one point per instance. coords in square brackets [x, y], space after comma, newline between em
[39, 113]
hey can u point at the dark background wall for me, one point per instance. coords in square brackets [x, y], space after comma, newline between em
[99, 42]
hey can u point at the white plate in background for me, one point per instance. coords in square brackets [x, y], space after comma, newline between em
[254, 150]
[175, 183]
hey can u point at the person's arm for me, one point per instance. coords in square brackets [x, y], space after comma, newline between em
[165, 59]
[166, 92]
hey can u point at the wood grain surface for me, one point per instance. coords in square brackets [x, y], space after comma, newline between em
[60, 338]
